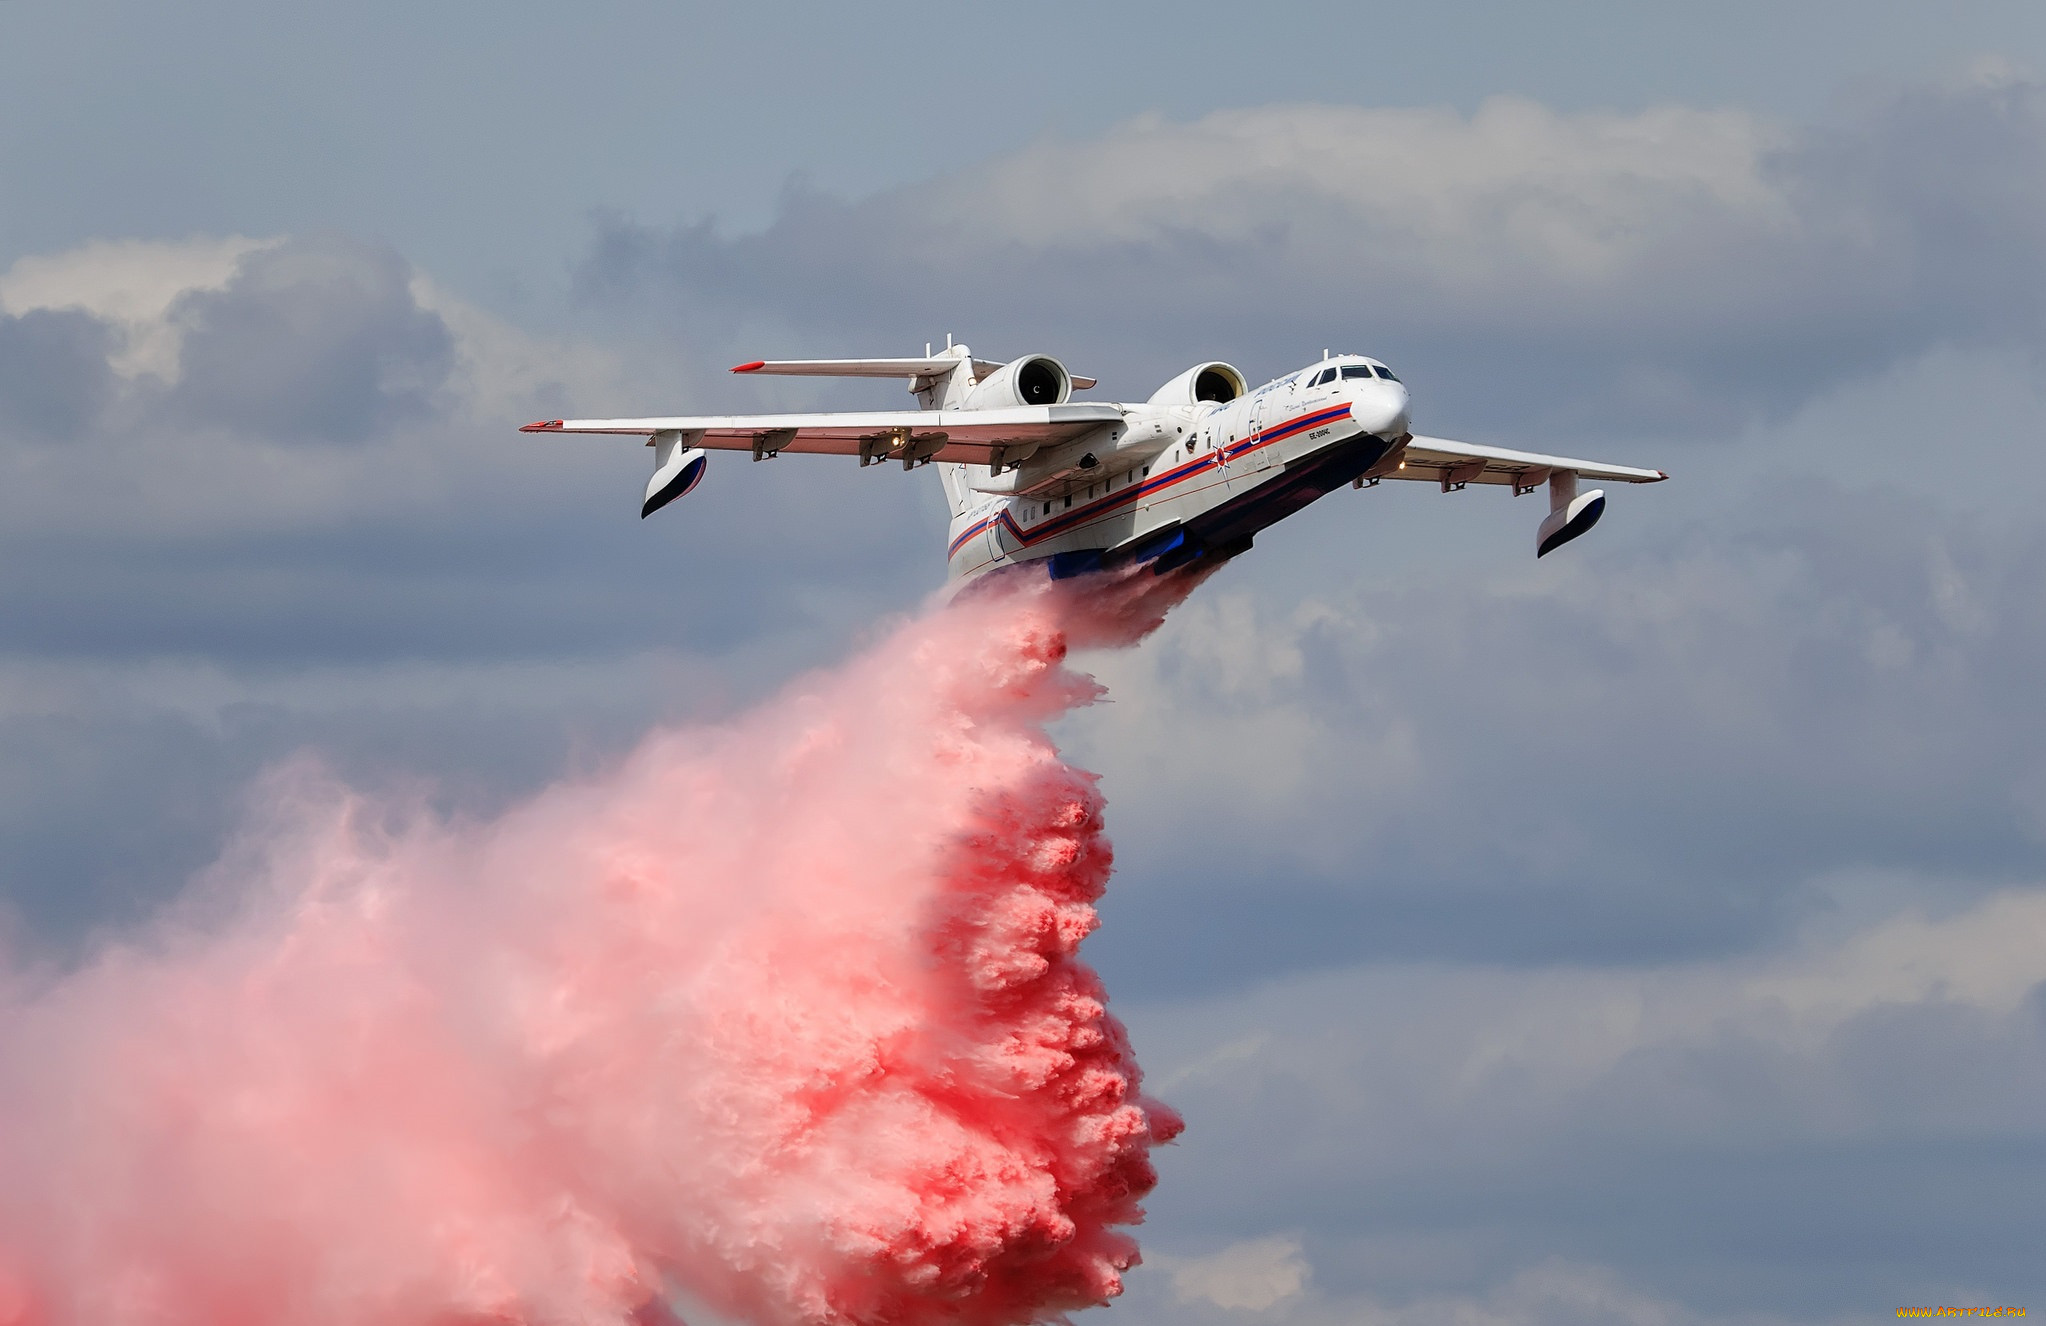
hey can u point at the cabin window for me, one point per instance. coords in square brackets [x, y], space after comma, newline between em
[1047, 508]
[1069, 502]
[1147, 471]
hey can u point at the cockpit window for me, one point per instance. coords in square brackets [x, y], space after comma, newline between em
[1327, 375]
[1386, 373]
[1356, 370]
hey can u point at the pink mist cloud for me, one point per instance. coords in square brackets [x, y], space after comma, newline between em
[784, 1014]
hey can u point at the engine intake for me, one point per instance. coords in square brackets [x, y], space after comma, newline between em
[1031, 380]
[1213, 381]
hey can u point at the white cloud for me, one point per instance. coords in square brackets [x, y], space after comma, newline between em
[134, 284]
[506, 372]
[214, 467]
[1382, 1079]
[1562, 1031]
[1245, 1277]
[130, 283]
[1269, 1278]
[1515, 185]
[1435, 1127]
[1672, 270]
[1550, 1294]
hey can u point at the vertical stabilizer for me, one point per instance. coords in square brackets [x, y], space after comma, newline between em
[947, 390]
[940, 380]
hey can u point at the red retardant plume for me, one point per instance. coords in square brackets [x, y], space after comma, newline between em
[781, 1018]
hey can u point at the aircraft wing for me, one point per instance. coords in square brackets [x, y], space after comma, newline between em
[1454, 464]
[975, 437]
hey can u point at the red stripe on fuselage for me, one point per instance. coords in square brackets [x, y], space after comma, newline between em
[971, 530]
[1280, 432]
[1071, 520]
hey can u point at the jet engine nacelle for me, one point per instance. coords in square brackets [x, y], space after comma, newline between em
[1570, 513]
[678, 467]
[1031, 380]
[1212, 381]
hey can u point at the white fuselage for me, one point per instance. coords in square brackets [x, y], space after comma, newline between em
[1201, 478]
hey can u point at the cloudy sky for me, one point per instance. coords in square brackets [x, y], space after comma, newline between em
[1653, 934]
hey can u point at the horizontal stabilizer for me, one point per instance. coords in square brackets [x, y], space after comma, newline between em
[931, 367]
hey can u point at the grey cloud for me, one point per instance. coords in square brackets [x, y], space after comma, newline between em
[311, 340]
[1945, 191]
[1802, 1134]
[1549, 1292]
[202, 525]
[104, 815]
[54, 378]
[119, 782]
[1797, 669]
[1667, 272]
[506, 549]
[1793, 678]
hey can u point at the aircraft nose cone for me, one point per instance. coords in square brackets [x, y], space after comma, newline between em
[1381, 409]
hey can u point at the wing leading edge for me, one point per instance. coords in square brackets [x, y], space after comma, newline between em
[1455, 464]
[973, 437]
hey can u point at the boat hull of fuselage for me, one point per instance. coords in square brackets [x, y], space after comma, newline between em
[1207, 507]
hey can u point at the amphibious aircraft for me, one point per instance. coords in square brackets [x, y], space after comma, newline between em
[1192, 473]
